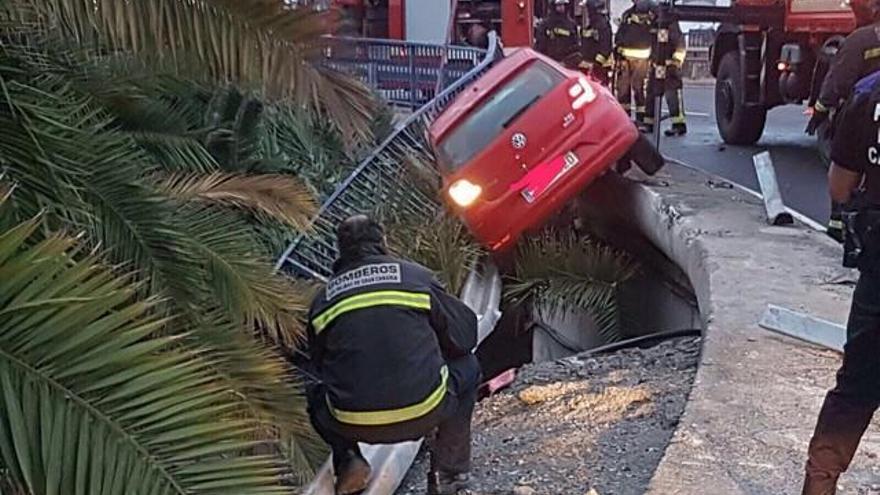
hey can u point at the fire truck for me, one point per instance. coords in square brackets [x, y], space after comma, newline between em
[768, 53]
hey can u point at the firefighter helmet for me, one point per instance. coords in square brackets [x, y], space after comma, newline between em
[645, 6]
[595, 5]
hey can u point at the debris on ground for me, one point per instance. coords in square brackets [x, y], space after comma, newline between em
[594, 425]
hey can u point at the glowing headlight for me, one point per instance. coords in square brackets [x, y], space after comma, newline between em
[464, 193]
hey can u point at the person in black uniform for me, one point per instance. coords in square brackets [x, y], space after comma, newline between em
[392, 354]
[858, 56]
[849, 407]
[634, 41]
[674, 88]
[557, 35]
[596, 42]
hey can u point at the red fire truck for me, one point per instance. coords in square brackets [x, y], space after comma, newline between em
[768, 53]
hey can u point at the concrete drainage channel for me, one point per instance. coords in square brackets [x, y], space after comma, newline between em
[592, 379]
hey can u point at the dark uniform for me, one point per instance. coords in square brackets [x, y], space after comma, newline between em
[674, 87]
[557, 38]
[596, 42]
[849, 407]
[634, 41]
[393, 354]
[858, 56]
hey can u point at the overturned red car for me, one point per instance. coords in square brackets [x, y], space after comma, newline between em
[521, 141]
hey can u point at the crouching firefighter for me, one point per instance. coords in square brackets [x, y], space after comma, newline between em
[849, 407]
[392, 354]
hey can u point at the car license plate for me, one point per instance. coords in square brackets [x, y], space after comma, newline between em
[545, 175]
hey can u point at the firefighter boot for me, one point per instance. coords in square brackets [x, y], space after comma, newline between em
[352, 474]
[441, 483]
[677, 130]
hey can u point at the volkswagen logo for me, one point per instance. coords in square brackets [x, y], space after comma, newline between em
[518, 141]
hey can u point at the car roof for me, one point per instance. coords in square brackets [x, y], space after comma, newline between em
[476, 91]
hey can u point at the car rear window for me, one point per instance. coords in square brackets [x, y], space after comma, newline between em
[489, 119]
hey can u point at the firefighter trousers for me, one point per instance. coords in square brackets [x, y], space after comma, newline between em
[849, 407]
[447, 427]
[674, 95]
[632, 86]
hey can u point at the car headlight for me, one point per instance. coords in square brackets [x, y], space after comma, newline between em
[464, 193]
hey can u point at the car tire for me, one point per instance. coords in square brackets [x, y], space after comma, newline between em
[645, 155]
[737, 124]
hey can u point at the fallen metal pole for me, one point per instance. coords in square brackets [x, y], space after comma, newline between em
[804, 327]
[777, 214]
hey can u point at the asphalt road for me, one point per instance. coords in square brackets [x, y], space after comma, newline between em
[800, 171]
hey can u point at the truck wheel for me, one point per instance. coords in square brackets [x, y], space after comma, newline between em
[645, 155]
[736, 123]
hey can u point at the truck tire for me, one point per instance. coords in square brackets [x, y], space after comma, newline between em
[737, 124]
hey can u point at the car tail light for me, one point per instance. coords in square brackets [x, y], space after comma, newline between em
[464, 193]
[582, 92]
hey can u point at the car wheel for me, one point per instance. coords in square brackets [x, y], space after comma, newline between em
[738, 124]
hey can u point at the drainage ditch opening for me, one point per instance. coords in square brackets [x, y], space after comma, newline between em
[576, 405]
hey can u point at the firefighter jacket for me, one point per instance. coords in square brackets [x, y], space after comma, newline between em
[557, 37]
[635, 37]
[596, 40]
[858, 57]
[678, 46]
[379, 336]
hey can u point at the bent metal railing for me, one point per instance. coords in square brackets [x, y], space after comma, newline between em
[380, 180]
[404, 73]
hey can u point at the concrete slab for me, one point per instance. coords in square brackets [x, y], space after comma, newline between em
[757, 394]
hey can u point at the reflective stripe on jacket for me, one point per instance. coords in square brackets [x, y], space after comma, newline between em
[379, 336]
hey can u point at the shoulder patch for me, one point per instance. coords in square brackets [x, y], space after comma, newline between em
[365, 276]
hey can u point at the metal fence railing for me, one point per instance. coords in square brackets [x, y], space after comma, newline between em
[379, 181]
[404, 73]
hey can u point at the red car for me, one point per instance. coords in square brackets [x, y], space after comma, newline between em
[523, 139]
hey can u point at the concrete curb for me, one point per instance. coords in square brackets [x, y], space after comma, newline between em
[756, 396]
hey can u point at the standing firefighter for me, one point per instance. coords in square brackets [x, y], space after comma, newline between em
[558, 35]
[673, 89]
[849, 407]
[634, 41]
[858, 56]
[392, 352]
[596, 41]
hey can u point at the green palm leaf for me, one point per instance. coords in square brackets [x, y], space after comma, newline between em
[94, 401]
[261, 44]
[558, 271]
[278, 197]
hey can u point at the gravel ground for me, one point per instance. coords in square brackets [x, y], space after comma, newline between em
[577, 424]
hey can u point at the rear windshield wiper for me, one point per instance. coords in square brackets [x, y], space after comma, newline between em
[520, 111]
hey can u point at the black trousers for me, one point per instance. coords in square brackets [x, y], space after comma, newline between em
[447, 427]
[674, 94]
[632, 86]
[849, 407]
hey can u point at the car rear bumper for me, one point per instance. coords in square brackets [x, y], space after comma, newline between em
[605, 136]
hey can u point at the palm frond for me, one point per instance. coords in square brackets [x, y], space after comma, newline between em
[94, 401]
[261, 44]
[240, 280]
[446, 247]
[279, 197]
[558, 271]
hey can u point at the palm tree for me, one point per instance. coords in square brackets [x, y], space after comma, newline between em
[97, 394]
[108, 141]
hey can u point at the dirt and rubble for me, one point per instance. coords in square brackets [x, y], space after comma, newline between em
[583, 423]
